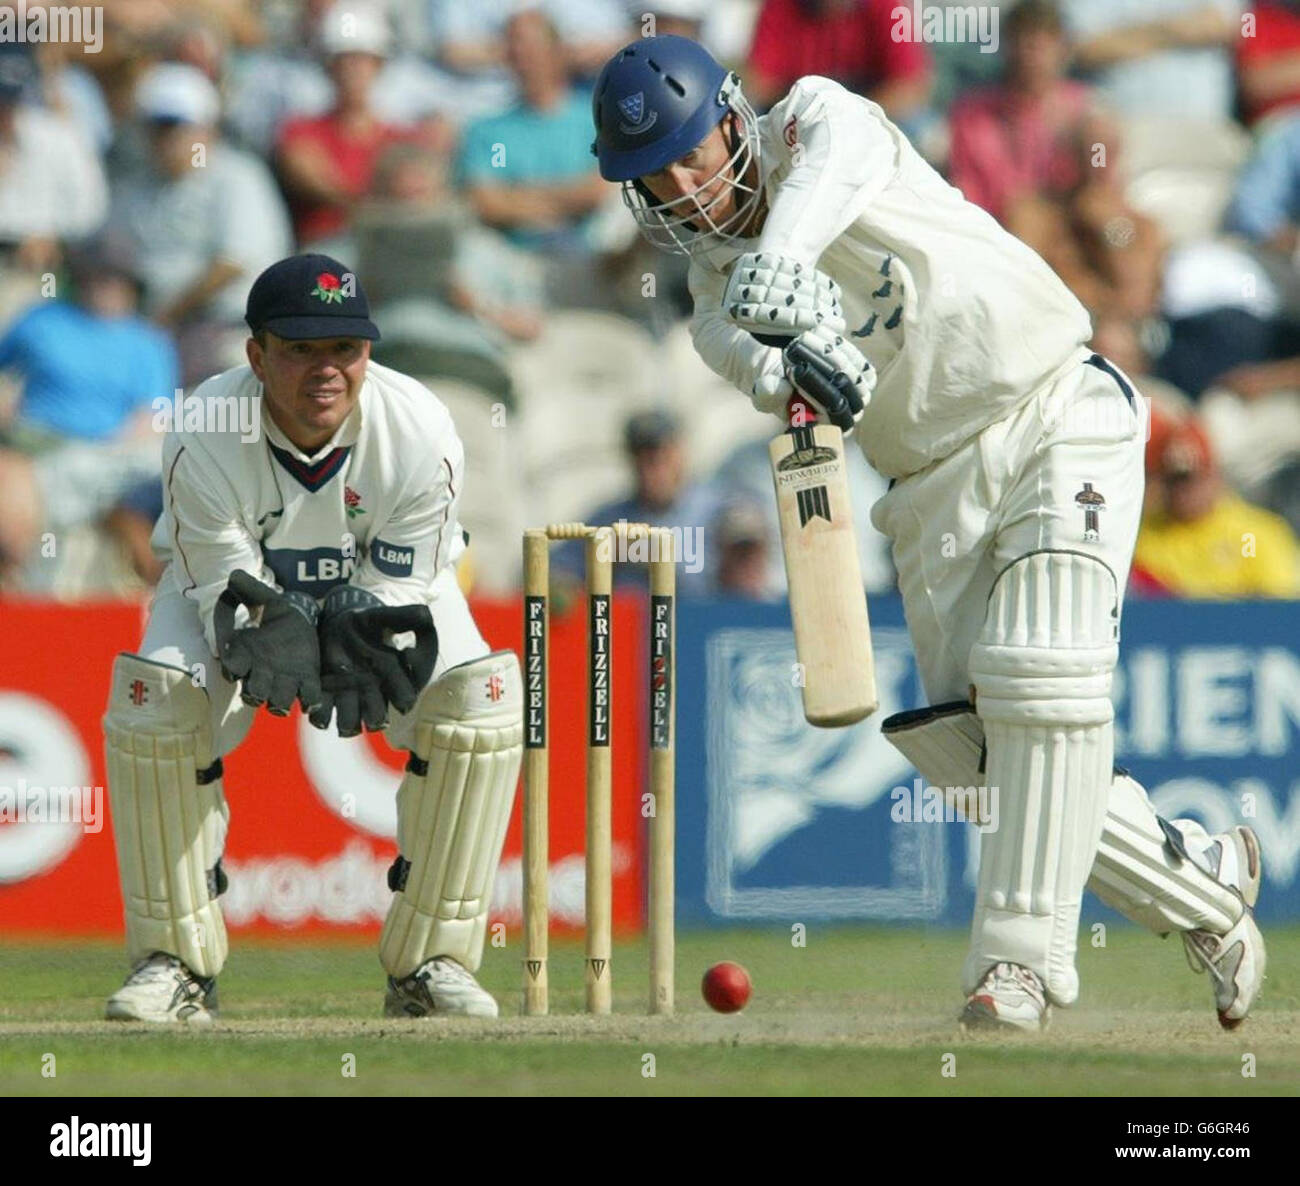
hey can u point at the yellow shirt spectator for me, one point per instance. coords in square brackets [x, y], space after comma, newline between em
[1233, 550]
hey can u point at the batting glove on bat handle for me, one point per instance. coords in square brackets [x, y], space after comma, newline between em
[832, 392]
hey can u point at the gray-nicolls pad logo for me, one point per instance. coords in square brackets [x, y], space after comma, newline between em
[638, 119]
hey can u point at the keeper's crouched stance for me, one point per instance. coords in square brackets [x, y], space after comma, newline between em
[312, 563]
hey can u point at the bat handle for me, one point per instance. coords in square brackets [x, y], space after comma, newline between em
[799, 413]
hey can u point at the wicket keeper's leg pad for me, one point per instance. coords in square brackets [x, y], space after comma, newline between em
[169, 813]
[453, 808]
[1042, 670]
[1143, 867]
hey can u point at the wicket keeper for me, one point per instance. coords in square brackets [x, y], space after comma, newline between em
[298, 562]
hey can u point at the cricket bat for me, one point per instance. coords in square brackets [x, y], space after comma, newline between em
[828, 605]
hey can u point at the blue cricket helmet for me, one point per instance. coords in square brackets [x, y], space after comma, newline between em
[654, 101]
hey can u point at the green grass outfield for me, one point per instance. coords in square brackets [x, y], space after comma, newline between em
[860, 1011]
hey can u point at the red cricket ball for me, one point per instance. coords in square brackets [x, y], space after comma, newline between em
[726, 987]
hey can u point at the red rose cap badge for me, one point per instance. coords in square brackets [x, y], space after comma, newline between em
[310, 296]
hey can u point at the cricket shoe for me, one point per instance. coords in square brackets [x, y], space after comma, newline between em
[439, 985]
[1009, 997]
[162, 989]
[1235, 961]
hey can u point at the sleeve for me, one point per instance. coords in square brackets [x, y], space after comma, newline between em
[725, 348]
[840, 157]
[209, 537]
[1264, 201]
[415, 543]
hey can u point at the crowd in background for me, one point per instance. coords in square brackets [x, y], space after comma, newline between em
[1148, 149]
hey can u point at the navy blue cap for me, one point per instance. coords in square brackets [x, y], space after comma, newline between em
[310, 296]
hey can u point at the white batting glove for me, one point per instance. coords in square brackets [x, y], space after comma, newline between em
[771, 391]
[774, 294]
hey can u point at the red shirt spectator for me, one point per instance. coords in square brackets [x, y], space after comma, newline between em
[1268, 64]
[348, 157]
[1007, 145]
[848, 40]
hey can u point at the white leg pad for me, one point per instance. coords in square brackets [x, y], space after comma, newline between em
[1146, 870]
[1145, 866]
[169, 813]
[453, 808]
[1042, 674]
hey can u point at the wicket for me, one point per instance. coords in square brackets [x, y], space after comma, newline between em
[600, 545]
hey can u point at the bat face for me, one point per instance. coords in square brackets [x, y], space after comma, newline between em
[828, 606]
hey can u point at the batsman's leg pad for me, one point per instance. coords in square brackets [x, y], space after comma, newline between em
[1144, 869]
[453, 808]
[1145, 865]
[945, 742]
[169, 813]
[1042, 672]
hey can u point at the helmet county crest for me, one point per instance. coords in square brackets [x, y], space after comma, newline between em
[632, 108]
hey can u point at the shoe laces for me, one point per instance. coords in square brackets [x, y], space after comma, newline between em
[444, 970]
[1007, 975]
[156, 967]
[1206, 948]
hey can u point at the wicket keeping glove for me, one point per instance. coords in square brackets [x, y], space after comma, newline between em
[362, 673]
[277, 660]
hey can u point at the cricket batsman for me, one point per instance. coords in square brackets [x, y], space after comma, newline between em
[300, 559]
[1016, 456]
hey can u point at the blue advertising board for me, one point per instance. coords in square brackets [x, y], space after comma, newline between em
[779, 821]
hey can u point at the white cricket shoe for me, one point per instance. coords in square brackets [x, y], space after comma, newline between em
[1235, 961]
[163, 990]
[1009, 997]
[439, 985]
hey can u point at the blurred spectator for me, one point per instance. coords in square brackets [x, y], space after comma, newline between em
[469, 40]
[678, 18]
[327, 162]
[420, 240]
[1035, 152]
[51, 183]
[1158, 57]
[529, 172]
[1198, 539]
[204, 219]
[90, 369]
[72, 92]
[1268, 64]
[271, 83]
[1223, 311]
[850, 41]
[660, 496]
[961, 65]
[1265, 205]
[131, 521]
[743, 543]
